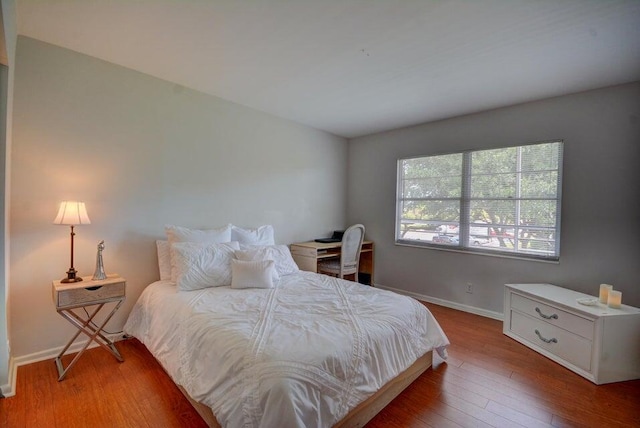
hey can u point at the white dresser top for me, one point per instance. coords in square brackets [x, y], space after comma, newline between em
[568, 298]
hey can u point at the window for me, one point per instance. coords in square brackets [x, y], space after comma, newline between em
[501, 201]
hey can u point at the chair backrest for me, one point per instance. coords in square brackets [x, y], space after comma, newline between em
[351, 246]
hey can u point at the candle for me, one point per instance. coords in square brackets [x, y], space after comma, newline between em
[615, 299]
[604, 292]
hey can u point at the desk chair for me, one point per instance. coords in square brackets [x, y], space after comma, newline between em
[349, 254]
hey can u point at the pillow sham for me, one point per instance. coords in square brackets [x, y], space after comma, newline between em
[263, 235]
[184, 234]
[280, 254]
[164, 259]
[255, 274]
[209, 236]
[201, 265]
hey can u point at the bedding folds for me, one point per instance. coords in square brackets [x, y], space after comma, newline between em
[301, 354]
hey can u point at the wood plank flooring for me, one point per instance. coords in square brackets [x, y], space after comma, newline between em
[489, 380]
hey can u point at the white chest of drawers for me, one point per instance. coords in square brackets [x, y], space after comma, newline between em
[597, 342]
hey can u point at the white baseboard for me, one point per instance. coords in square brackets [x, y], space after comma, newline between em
[446, 303]
[47, 354]
[7, 389]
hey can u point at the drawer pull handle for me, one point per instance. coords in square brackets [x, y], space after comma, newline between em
[547, 317]
[554, 340]
[97, 287]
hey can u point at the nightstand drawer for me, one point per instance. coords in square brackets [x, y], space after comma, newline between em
[88, 292]
[570, 347]
[553, 315]
[79, 296]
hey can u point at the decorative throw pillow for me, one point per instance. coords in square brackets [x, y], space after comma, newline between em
[164, 259]
[256, 274]
[263, 235]
[201, 265]
[183, 234]
[280, 254]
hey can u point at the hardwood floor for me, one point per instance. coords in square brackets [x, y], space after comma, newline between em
[492, 380]
[489, 380]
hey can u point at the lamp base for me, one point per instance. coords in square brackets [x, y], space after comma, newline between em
[71, 277]
[68, 280]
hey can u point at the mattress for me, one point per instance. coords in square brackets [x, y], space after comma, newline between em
[302, 354]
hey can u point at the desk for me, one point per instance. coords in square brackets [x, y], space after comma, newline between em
[70, 296]
[307, 255]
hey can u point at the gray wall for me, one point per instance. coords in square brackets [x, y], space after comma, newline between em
[142, 152]
[600, 236]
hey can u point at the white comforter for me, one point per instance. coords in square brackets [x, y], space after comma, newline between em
[302, 354]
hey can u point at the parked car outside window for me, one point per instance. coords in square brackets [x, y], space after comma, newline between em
[445, 239]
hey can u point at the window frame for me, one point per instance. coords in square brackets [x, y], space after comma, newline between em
[465, 223]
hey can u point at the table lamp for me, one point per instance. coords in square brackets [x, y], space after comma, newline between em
[72, 214]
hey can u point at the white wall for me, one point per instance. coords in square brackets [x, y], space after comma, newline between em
[600, 237]
[142, 153]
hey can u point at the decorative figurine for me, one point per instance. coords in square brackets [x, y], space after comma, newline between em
[99, 273]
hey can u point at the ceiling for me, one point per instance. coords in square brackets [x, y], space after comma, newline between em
[355, 67]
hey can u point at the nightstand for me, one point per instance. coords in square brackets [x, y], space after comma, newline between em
[70, 296]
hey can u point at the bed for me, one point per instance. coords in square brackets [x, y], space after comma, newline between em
[309, 351]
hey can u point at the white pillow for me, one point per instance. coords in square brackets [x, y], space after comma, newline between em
[280, 254]
[260, 236]
[209, 236]
[201, 265]
[257, 274]
[164, 259]
[183, 234]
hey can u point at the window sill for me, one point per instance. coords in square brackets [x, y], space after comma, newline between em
[473, 251]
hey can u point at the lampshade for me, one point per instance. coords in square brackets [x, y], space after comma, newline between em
[72, 213]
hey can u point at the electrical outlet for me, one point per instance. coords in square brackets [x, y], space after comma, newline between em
[469, 287]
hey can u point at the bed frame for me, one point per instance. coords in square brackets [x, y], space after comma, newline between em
[362, 413]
